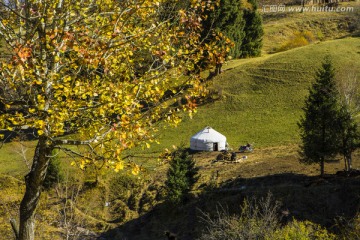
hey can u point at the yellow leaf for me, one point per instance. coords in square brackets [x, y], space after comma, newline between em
[118, 151]
[119, 166]
[38, 82]
[135, 170]
[40, 123]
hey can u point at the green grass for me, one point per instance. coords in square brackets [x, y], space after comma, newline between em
[261, 98]
[14, 156]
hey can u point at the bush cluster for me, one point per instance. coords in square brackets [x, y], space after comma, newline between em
[260, 220]
[257, 220]
[299, 39]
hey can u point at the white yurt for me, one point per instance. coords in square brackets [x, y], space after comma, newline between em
[208, 140]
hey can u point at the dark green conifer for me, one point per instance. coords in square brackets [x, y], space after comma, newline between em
[252, 42]
[54, 174]
[319, 125]
[181, 176]
[227, 18]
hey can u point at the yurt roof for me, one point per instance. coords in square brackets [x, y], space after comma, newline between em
[209, 134]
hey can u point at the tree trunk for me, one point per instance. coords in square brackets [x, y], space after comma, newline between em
[350, 163]
[348, 160]
[33, 180]
[346, 165]
[218, 69]
[322, 167]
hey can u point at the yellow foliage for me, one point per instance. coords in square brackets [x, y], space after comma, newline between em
[135, 170]
[305, 230]
[119, 166]
[94, 70]
[299, 39]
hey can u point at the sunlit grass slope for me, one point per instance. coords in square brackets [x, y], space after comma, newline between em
[261, 98]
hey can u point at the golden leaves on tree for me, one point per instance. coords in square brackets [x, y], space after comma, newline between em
[105, 70]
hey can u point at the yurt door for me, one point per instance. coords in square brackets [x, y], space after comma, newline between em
[215, 147]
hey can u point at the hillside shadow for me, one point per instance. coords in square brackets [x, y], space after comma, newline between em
[319, 200]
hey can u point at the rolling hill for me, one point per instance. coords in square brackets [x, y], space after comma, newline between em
[260, 99]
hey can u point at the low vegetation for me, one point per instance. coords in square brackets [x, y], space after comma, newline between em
[260, 219]
[299, 39]
[257, 220]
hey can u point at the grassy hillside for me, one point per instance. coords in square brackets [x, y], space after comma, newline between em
[261, 99]
[281, 28]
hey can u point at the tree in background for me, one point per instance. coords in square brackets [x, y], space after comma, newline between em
[54, 173]
[238, 20]
[318, 126]
[181, 176]
[226, 19]
[349, 86]
[77, 67]
[252, 42]
[348, 135]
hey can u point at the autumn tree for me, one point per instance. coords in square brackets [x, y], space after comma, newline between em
[77, 75]
[319, 125]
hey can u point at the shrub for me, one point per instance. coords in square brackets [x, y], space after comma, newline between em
[349, 229]
[256, 221]
[127, 188]
[299, 39]
[260, 220]
[299, 230]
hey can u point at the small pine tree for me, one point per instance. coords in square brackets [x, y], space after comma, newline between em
[53, 174]
[181, 176]
[319, 130]
[252, 42]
